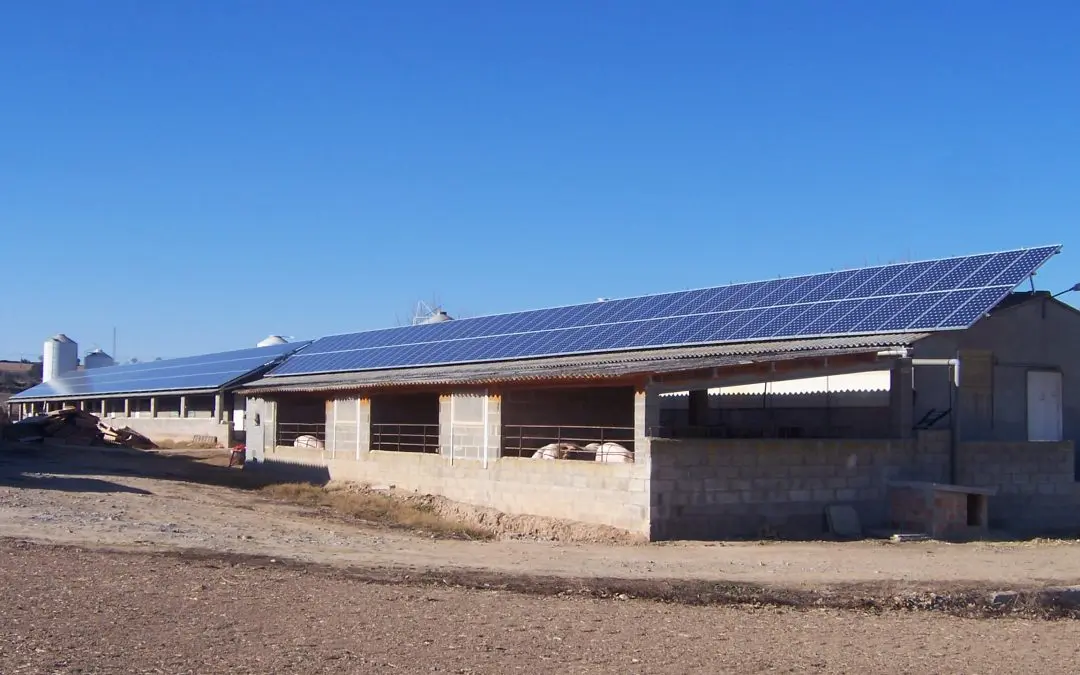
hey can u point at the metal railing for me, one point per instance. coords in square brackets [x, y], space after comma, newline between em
[523, 440]
[405, 437]
[301, 434]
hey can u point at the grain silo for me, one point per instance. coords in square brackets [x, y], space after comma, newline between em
[271, 341]
[61, 356]
[97, 358]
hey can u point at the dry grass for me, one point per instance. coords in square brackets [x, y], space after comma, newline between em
[373, 507]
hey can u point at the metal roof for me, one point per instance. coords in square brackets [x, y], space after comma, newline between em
[595, 366]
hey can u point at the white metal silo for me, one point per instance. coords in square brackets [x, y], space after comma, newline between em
[97, 358]
[438, 316]
[61, 356]
[271, 340]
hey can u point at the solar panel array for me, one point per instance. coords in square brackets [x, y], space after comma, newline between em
[209, 371]
[931, 295]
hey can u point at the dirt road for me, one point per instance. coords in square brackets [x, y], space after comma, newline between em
[135, 501]
[72, 611]
[120, 562]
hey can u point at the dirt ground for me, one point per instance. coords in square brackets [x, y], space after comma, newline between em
[80, 611]
[137, 501]
[129, 562]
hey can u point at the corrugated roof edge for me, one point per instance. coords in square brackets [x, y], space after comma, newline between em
[596, 366]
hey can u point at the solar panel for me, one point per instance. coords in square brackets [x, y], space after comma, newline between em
[932, 295]
[209, 371]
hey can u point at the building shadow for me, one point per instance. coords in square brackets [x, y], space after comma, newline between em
[19, 462]
[68, 484]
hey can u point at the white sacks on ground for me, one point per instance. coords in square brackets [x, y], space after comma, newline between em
[610, 452]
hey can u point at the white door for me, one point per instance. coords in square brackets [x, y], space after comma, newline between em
[1044, 405]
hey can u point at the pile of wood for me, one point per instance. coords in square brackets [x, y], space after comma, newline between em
[71, 426]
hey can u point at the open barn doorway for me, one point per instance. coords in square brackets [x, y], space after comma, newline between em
[574, 417]
[405, 422]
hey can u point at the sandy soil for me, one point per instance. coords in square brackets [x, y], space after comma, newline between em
[135, 501]
[136, 563]
[81, 611]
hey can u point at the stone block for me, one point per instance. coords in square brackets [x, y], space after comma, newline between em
[744, 459]
[715, 484]
[769, 483]
[800, 495]
[688, 485]
[662, 486]
[859, 482]
[847, 495]
[725, 497]
[824, 495]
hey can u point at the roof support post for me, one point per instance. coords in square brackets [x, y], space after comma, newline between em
[219, 404]
[646, 413]
[183, 406]
[103, 406]
[901, 399]
[127, 407]
[698, 413]
[153, 406]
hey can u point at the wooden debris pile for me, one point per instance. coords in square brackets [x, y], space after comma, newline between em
[71, 426]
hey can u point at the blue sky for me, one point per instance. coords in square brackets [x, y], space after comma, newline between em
[200, 174]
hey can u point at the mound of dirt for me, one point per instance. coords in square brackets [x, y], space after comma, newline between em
[502, 525]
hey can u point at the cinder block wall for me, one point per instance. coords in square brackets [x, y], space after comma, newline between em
[160, 429]
[1037, 491]
[591, 492]
[463, 432]
[724, 488]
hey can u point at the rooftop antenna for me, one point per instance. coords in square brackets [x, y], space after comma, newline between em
[428, 313]
[1071, 289]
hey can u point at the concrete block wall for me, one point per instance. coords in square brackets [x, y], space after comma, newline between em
[348, 427]
[721, 488]
[938, 513]
[176, 429]
[591, 492]
[468, 421]
[1036, 489]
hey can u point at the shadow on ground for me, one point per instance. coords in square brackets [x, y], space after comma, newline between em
[22, 464]
[67, 484]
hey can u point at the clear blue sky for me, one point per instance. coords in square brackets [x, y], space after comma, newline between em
[201, 174]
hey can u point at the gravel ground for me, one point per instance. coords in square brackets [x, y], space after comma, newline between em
[131, 563]
[80, 611]
[115, 500]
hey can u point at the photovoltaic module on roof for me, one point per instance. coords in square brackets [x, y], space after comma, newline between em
[932, 295]
[207, 371]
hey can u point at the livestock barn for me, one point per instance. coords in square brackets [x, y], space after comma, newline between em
[562, 412]
[185, 399]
